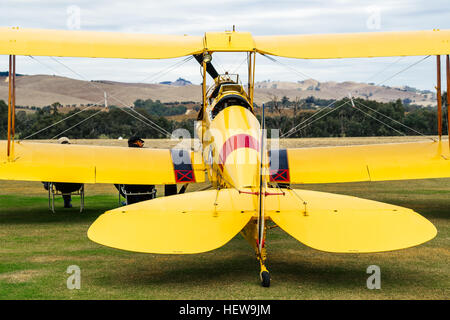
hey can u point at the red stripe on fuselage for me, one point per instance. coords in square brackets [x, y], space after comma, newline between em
[235, 142]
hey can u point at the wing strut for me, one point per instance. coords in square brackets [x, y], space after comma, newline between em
[11, 107]
[439, 97]
[262, 187]
[448, 96]
[251, 75]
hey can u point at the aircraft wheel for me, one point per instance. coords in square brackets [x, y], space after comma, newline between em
[265, 279]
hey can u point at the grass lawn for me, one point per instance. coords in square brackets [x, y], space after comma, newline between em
[36, 247]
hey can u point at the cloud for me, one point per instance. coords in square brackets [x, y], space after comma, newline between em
[256, 16]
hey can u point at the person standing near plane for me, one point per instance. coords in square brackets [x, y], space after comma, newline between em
[65, 188]
[136, 192]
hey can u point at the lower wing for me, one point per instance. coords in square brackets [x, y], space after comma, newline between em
[378, 162]
[99, 164]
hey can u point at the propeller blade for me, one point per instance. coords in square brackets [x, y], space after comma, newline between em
[209, 67]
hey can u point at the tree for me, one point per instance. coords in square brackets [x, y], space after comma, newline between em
[55, 106]
[276, 104]
[297, 105]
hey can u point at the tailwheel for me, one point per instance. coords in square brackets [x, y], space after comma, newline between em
[264, 275]
[265, 278]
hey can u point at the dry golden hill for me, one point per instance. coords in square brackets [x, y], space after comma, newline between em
[42, 90]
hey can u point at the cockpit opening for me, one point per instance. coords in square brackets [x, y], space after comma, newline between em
[230, 100]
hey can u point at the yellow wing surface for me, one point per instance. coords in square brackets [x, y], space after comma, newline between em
[337, 223]
[356, 45]
[67, 43]
[378, 162]
[99, 164]
[180, 224]
[203, 221]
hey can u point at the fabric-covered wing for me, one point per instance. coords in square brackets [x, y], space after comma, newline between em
[356, 45]
[338, 223]
[187, 223]
[99, 164]
[378, 162]
[66, 43]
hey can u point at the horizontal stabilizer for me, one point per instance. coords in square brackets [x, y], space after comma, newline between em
[337, 223]
[180, 224]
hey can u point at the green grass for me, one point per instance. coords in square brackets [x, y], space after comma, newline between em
[37, 246]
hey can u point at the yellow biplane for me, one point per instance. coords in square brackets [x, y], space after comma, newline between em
[250, 183]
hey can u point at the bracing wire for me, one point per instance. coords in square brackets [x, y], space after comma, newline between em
[310, 123]
[302, 74]
[64, 119]
[403, 70]
[384, 69]
[162, 131]
[148, 122]
[382, 122]
[392, 119]
[292, 130]
[151, 123]
[219, 63]
[295, 129]
[159, 74]
[84, 120]
[242, 62]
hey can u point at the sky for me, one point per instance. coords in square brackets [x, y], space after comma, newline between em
[194, 17]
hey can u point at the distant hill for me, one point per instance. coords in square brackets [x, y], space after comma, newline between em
[179, 82]
[337, 90]
[42, 90]
[6, 73]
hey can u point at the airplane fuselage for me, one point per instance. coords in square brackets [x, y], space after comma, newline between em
[231, 139]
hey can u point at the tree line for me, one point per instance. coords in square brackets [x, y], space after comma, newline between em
[327, 119]
[366, 118]
[92, 123]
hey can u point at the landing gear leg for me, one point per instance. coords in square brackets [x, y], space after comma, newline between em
[250, 234]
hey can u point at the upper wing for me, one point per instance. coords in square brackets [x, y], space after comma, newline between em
[89, 44]
[98, 164]
[396, 161]
[68, 43]
[356, 45]
[64, 43]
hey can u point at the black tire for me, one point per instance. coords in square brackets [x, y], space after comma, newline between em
[265, 279]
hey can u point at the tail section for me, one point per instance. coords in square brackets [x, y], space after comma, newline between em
[203, 221]
[180, 224]
[337, 223]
